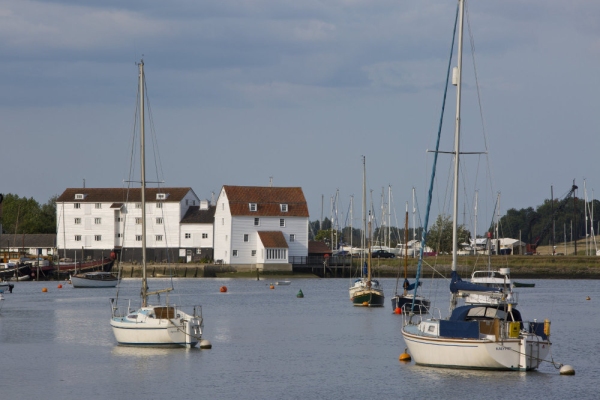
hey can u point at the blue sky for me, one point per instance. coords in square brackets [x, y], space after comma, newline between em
[242, 91]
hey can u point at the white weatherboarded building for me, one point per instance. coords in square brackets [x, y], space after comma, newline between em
[102, 220]
[261, 227]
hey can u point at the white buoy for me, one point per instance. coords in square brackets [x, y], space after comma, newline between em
[205, 344]
[567, 370]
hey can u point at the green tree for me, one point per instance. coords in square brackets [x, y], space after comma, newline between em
[25, 215]
[439, 236]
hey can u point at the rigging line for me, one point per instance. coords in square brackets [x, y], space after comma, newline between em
[437, 147]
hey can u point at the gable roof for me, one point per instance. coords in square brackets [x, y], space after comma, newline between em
[272, 239]
[268, 200]
[119, 195]
[195, 215]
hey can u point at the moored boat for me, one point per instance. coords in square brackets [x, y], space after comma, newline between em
[96, 279]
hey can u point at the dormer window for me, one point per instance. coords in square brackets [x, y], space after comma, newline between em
[253, 207]
[283, 207]
[79, 196]
[161, 196]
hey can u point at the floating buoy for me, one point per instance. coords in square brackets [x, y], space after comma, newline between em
[205, 344]
[272, 286]
[223, 289]
[398, 310]
[404, 356]
[59, 286]
[300, 294]
[567, 370]
[588, 298]
[44, 289]
[365, 303]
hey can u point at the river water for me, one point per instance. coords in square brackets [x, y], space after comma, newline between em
[269, 344]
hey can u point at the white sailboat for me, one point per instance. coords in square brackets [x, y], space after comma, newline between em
[366, 291]
[153, 324]
[481, 335]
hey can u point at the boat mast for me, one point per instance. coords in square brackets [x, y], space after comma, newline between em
[457, 81]
[364, 213]
[405, 246]
[143, 189]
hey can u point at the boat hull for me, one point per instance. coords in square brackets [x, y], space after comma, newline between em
[94, 280]
[369, 298]
[520, 354]
[421, 304]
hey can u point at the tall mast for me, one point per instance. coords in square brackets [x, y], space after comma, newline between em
[457, 82]
[414, 211]
[364, 209]
[405, 247]
[143, 172]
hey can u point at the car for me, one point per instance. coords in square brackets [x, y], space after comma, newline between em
[382, 254]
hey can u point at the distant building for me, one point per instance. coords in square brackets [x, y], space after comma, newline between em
[262, 227]
[29, 244]
[97, 221]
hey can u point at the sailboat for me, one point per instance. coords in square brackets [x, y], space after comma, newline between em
[366, 291]
[421, 304]
[153, 324]
[477, 335]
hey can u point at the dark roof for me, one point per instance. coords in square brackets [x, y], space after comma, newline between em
[41, 240]
[272, 239]
[195, 215]
[315, 247]
[268, 200]
[120, 195]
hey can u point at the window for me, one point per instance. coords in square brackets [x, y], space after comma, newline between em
[193, 202]
[138, 205]
[77, 205]
[234, 253]
[98, 205]
[276, 254]
[198, 251]
[253, 253]
[138, 220]
[283, 207]
[158, 205]
[292, 237]
[79, 196]
[118, 219]
[118, 235]
[158, 238]
[186, 202]
[161, 196]
[281, 222]
[188, 252]
[138, 238]
[77, 221]
[98, 238]
[245, 237]
[252, 206]
[97, 221]
[78, 238]
[159, 220]
[188, 235]
[256, 221]
[205, 236]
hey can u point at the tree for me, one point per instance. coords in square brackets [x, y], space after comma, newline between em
[23, 215]
[439, 236]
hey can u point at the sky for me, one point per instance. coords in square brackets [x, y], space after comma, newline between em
[296, 93]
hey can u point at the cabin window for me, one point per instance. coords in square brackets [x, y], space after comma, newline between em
[188, 235]
[283, 207]
[246, 237]
[292, 238]
[77, 205]
[281, 222]
[98, 238]
[256, 221]
[78, 238]
[159, 220]
[98, 205]
[234, 253]
[252, 206]
[158, 238]
[97, 221]
[205, 236]
[138, 238]
[138, 220]
[77, 221]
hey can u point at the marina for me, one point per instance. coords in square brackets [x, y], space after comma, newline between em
[270, 344]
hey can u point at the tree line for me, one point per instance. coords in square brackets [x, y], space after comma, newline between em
[22, 215]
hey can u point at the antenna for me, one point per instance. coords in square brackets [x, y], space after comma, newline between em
[270, 181]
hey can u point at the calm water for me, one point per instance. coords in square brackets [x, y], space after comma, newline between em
[268, 344]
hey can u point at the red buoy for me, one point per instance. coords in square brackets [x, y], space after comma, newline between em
[223, 289]
[59, 286]
[398, 310]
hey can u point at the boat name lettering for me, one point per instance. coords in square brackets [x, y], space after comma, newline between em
[502, 348]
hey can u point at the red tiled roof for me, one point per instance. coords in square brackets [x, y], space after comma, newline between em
[268, 200]
[272, 239]
[119, 195]
[315, 247]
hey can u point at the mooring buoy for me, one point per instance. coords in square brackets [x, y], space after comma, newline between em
[205, 344]
[404, 356]
[567, 370]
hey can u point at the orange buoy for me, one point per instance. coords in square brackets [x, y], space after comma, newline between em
[59, 286]
[272, 286]
[404, 356]
[365, 303]
[223, 289]
[398, 310]
[44, 289]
